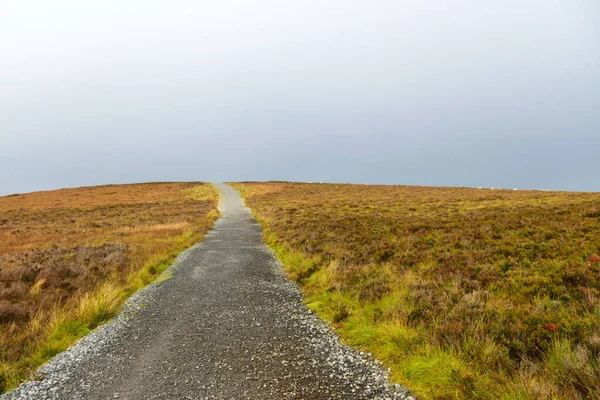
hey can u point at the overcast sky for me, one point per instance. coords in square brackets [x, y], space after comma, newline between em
[502, 93]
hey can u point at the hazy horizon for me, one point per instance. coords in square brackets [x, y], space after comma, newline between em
[466, 93]
[306, 182]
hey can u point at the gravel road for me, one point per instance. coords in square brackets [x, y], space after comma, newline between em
[226, 325]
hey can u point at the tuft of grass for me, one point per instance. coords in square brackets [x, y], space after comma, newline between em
[575, 367]
[99, 306]
[463, 293]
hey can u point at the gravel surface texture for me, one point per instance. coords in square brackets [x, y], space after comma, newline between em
[226, 325]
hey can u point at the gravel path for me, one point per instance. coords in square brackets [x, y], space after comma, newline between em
[227, 325]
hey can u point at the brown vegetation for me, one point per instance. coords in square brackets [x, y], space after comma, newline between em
[464, 293]
[68, 258]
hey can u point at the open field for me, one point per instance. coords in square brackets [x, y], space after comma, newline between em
[69, 258]
[463, 293]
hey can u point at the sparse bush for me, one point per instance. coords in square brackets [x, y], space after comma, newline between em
[12, 313]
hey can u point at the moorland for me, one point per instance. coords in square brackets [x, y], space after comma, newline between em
[464, 293]
[69, 258]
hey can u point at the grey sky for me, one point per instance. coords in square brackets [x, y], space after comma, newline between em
[464, 93]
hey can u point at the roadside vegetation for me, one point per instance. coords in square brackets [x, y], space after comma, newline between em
[463, 293]
[69, 258]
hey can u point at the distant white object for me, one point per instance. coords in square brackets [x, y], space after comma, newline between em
[320, 182]
[515, 189]
[491, 188]
[479, 188]
[309, 182]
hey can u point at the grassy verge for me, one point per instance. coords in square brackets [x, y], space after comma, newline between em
[463, 293]
[108, 243]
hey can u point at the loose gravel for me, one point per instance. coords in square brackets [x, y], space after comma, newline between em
[226, 325]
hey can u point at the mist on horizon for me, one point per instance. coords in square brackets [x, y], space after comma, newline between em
[465, 93]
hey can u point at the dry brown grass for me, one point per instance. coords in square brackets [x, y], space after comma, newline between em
[68, 258]
[464, 293]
